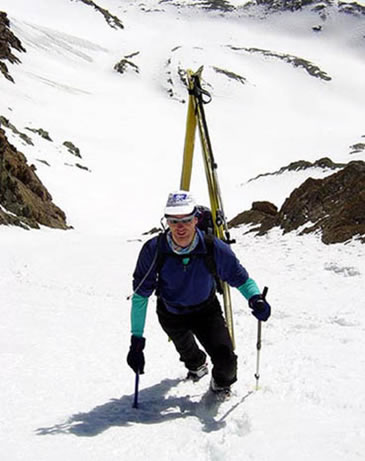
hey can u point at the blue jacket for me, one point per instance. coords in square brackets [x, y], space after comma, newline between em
[183, 282]
[186, 282]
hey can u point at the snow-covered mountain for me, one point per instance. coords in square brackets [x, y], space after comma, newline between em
[281, 92]
[287, 84]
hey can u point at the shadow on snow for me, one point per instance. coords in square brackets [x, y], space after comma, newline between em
[154, 408]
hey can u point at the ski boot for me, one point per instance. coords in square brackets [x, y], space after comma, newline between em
[195, 375]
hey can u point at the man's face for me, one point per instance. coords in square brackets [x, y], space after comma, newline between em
[182, 229]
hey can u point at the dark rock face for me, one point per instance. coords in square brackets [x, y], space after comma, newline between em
[220, 5]
[111, 19]
[324, 163]
[322, 7]
[23, 136]
[357, 148]
[334, 205]
[231, 75]
[7, 41]
[291, 5]
[72, 148]
[24, 201]
[262, 214]
[124, 65]
[351, 8]
[295, 61]
[41, 132]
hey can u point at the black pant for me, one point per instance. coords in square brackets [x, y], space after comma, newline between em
[209, 327]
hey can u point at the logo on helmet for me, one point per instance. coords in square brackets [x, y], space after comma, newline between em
[180, 203]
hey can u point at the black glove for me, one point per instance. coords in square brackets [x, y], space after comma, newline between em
[260, 307]
[135, 357]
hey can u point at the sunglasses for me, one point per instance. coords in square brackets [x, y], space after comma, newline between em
[184, 220]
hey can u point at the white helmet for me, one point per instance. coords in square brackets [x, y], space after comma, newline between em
[179, 203]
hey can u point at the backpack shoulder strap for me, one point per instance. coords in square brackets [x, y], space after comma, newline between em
[210, 260]
[160, 255]
[160, 259]
[209, 257]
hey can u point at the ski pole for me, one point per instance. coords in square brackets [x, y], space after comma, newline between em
[258, 345]
[258, 348]
[136, 384]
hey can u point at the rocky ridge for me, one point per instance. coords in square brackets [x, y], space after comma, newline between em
[319, 6]
[324, 163]
[295, 61]
[26, 139]
[126, 64]
[333, 206]
[212, 5]
[8, 41]
[322, 7]
[111, 19]
[24, 200]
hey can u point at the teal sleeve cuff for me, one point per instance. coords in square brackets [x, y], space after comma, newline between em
[249, 289]
[138, 314]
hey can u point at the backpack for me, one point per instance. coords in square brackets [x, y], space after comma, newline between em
[205, 219]
[205, 223]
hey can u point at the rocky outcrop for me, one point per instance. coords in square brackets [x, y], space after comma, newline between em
[24, 201]
[351, 8]
[125, 64]
[357, 148]
[23, 136]
[334, 205]
[324, 8]
[219, 5]
[266, 7]
[72, 149]
[111, 19]
[291, 5]
[263, 215]
[231, 75]
[8, 41]
[295, 61]
[324, 163]
[40, 132]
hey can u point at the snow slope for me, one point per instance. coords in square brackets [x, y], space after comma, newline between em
[68, 86]
[66, 391]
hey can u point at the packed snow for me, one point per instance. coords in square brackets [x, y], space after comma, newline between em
[66, 391]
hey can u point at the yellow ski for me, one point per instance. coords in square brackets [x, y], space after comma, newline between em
[196, 118]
